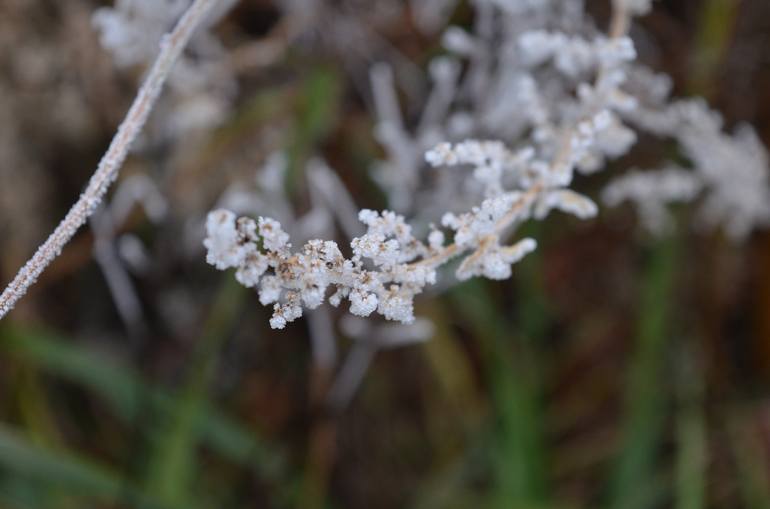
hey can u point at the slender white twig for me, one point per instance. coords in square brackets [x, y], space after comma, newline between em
[171, 48]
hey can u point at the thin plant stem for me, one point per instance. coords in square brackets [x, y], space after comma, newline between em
[171, 48]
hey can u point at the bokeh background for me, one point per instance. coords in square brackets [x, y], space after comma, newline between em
[614, 370]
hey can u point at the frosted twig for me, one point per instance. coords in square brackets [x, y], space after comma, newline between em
[171, 48]
[390, 266]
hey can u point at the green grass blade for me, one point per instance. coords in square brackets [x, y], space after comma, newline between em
[691, 458]
[128, 396]
[174, 463]
[752, 467]
[53, 469]
[633, 474]
[518, 447]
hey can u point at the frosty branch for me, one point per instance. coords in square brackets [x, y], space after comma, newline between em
[389, 265]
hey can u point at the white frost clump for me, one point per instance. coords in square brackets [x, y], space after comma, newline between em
[132, 29]
[494, 261]
[729, 172]
[132, 32]
[734, 170]
[651, 191]
[303, 278]
[223, 241]
[574, 55]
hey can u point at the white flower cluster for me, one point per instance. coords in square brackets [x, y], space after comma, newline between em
[262, 255]
[389, 265]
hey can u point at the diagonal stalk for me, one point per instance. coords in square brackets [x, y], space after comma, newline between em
[171, 48]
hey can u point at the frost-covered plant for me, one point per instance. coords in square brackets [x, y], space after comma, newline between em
[558, 97]
[389, 265]
[540, 79]
[651, 192]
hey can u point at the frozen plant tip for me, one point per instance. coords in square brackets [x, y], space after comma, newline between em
[389, 265]
[388, 268]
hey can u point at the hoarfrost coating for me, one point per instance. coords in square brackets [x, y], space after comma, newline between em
[563, 100]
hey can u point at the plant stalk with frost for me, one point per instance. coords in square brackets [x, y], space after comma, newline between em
[389, 265]
[171, 48]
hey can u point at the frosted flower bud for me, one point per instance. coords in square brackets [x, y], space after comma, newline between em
[224, 243]
[398, 307]
[252, 269]
[270, 290]
[495, 267]
[436, 239]
[277, 321]
[441, 154]
[362, 303]
[368, 217]
[273, 236]
[567, 201]
[285, 313]
[494, 261]
[450, 220]
[312, 296]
